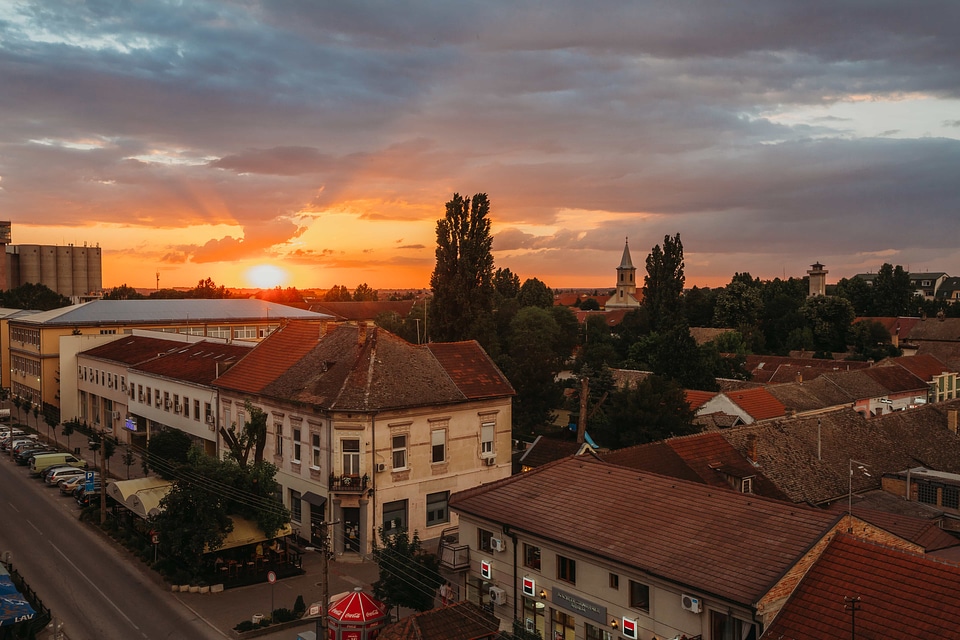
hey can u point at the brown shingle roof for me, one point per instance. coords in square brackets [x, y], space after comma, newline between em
[460, 621]
[786, 450]
[779, 369]
[924, 532]
[924, 366]
[901, 596]
[546, 449]
[896, 380]
[363, 369]
[819, 393]
[680, 531]
[198, 362]
[132, 349]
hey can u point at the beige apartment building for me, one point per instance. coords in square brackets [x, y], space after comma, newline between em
[36, 368]
[370, 431]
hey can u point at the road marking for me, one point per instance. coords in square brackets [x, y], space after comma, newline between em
[35, 528]
[13, 507]
[84, 576]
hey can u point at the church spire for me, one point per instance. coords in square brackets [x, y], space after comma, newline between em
[625, 261]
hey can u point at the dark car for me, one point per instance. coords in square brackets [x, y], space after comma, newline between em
[22, 457]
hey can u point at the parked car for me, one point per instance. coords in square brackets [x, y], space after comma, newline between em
[69, 485]
[49, 470]
[63, 473]
[22, 457]
[45, 460]
[86, 498]
[14, 442]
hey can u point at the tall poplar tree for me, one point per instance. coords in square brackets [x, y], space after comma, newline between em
[462, 280]
[663, 284]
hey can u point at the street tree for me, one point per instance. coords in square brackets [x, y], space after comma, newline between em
[531, 363]
[167, 452]
[462, 280]
[506, 284]
[829, 319]
[252, 436]
[68, 428]
[51, 422]
[409, 576]
[192, 519]
[663, 284]
[893, 296]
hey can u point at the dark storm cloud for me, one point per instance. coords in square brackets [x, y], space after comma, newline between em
[659, 114]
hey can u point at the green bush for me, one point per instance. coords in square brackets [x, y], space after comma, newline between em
[283, 615]
[246, 625]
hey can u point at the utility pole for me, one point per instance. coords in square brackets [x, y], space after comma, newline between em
[103, 478]
[325, 553]
[853, 604]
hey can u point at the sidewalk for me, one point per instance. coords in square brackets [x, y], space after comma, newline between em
[225, 610]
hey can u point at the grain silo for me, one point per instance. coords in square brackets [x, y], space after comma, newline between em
[94, 270]
[65, 271]
[80, 271]
[28, 255]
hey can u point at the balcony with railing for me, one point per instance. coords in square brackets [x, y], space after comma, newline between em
[453, 555]
[348, 484]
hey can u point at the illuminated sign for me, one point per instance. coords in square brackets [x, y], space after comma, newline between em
[629, 628]
[529, 587]
[486, 569]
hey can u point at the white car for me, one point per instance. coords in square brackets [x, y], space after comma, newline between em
[67, 472]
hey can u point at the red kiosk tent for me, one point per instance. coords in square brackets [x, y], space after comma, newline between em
[356, 617]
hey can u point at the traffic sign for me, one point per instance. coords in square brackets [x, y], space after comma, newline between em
[271, 577]
[88, 476]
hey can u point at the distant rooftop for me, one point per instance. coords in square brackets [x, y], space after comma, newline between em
[100, 312]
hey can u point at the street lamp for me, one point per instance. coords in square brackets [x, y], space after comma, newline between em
[862, 468]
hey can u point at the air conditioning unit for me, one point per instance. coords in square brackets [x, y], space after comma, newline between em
[496, 544]
[123, 387]
[490, 461]
[210, 420]
[381, 467]
[498, 595]
[690, 603]
[167, 404]
[116, 415]
[178, 408]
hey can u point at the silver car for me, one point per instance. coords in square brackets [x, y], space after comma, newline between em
[67, 472]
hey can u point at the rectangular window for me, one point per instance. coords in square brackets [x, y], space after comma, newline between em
[166, 401]
[279, 439]
[531, 556]
[639, 596]
[566, 570]
[596, 633]
[208, 414]
[394, 516]
[437, 512]
[296, 445]
[315, 440]
[950, 498]
[483, 539]
[351, 456]
[486, 439]
[399, 446]
[564, 626]
[196, 410]
[614, 581]
[176, 403]
[186, 407]
[438, 443]
[926, 493]
[296, 507]
[724, 627]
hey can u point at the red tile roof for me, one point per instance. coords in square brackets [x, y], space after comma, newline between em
[902, 596]
[198, 362]
[677, 530]
[471, 369]
[132, 349]
[697, 399]
[924, 366]
[272, 357]
[896, 380]
[923, 532]
[758, 403]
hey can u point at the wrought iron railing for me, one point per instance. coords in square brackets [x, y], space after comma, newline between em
[349, 484]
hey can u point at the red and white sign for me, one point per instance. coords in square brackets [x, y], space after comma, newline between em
[486, 569]
[629, 628]
[529, 586]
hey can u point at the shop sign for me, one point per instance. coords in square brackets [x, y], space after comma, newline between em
[529, 587]
[629, 628]
[578, 605]
[486, 569]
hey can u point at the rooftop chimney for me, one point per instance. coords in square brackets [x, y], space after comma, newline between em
[752, 447]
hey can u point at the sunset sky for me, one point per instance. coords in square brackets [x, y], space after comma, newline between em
[313, 143]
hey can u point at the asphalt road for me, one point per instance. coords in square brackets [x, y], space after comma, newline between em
[96, 590]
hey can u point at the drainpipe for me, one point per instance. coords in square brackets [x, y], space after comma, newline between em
[513, 539]
[373, 476]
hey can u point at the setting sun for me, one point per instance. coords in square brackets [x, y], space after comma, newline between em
[266, 276]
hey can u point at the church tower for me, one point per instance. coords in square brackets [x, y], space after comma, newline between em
[626, 294]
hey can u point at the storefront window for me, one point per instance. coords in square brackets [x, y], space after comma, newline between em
[564, 626]
[724, 627]
[533, 618]
[596, 633]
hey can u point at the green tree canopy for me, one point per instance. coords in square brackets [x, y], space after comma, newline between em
[506, 284]
[462, 280]
[123, 292]
[337, 293]
[663, 284]
[653, 409]
[363, 293]
[251, 436]
[534, 293]
[409, 576]
[829, 319]
[532, 366]
[36, 297]
[167, 452]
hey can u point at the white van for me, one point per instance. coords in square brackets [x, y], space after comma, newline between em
[45, 460]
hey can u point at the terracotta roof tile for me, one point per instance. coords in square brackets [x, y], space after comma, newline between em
[697, 399]
[758, 403]
[472, 369]
[819, 393]
[546, 449]
[896, 380]
[923, 532]
[902, 596]
[677, 530]
[924, 366]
